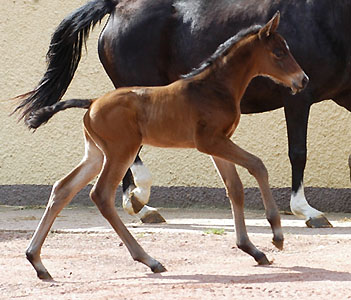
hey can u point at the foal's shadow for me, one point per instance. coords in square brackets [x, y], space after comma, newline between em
[293, 274]
[299, 273]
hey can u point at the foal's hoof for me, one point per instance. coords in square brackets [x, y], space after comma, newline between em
[318, 222]
[158, 268]
[152, 217]
[44, 275]
[263, 260]
[279, 243]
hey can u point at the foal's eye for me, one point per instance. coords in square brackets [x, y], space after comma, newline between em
[278, 53]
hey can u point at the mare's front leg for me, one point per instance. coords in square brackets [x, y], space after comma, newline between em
[118, 158]
[136, 186]
[235, 192]
[296, 115]
[62, 193]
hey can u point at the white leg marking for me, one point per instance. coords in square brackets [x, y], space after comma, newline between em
[145, 211]
[300, 207]
[142, 180]
[127, 203]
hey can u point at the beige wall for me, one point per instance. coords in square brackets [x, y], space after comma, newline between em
[48, 154]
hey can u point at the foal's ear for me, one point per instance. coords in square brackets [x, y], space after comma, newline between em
[270, 27]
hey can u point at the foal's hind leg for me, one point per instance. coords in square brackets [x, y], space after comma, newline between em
[62, 193]
[235, 192]
[136, 187]
[117, 161]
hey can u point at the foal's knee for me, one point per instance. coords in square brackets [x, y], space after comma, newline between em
[257, 168]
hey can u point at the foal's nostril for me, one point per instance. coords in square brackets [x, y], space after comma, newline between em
[305, 81]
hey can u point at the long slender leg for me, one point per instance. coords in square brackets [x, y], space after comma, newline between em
[224, 148]
[350, 165]
[296, 114]
[62, 193]
[117, 161]
[136, 187]
[235, 192]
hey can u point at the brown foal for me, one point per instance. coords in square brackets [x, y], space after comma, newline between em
[200, 111]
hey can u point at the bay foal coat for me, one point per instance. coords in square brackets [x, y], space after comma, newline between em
[200, 111]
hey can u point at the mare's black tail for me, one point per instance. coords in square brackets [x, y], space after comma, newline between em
[64, 55]
[42, 115]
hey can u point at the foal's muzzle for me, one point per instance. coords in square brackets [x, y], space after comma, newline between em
[299, 84]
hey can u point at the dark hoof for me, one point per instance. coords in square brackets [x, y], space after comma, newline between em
[278, 243]
[318, 222]
[44, 276]
[262, 260]
[158, 268]
[153, 217]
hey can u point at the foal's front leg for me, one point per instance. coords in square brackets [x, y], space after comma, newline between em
[222, 147]
[235, 192]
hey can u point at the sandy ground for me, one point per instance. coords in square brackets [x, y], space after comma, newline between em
[88, 260]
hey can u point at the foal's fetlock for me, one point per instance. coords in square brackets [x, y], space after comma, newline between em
[30, 256]
[42, 273]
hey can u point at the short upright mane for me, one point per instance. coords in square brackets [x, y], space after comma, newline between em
[223, 50]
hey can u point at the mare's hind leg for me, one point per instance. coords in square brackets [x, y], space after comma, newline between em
[235, 192]
[117, 160]
[136, 187]
[62, 193]
[224, 148]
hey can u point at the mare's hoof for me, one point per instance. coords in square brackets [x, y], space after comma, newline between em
[44, 275]
[318, 222]
[158, 268]
[152, 217]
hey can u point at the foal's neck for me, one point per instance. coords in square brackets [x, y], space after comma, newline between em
[235, 71]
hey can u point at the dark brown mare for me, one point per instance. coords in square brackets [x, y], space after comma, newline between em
[199, 111]
[153, 42]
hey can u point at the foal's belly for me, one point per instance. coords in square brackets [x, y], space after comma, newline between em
[168, 138]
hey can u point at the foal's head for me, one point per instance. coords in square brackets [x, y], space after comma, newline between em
[275, 59]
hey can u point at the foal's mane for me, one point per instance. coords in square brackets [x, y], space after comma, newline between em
[223, 50]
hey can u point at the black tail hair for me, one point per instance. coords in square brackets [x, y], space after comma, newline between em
[42, 115]
[64, 55]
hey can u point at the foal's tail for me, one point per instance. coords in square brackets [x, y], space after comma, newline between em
[42, 115]
[63, 56]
